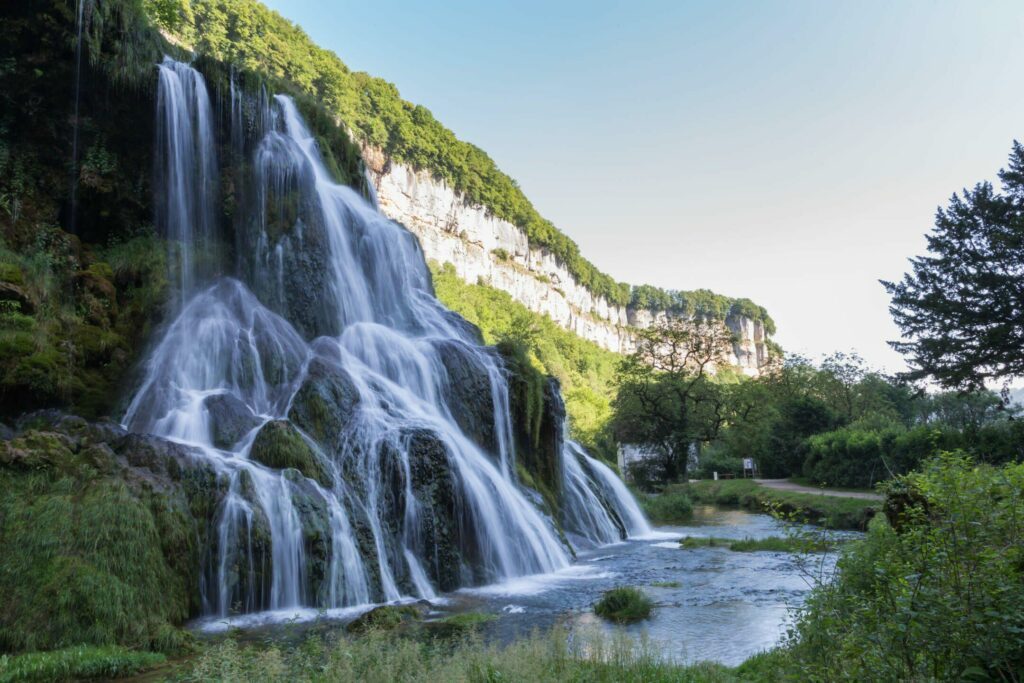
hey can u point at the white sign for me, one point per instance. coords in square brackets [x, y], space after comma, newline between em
[748, 463]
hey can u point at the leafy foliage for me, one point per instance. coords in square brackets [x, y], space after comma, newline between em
[961, 310]
[670, 507]
[934, 591]
[667, 399]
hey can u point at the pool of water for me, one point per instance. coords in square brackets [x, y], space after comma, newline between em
[727, 605]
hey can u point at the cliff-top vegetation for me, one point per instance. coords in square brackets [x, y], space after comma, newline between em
[251, 36]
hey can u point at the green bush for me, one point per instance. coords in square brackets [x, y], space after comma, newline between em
[666, 508]
[624, 605]
[934, 590]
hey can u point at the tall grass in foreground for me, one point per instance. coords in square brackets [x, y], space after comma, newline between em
[380, 658]
[76, 663]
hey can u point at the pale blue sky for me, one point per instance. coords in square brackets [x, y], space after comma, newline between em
[791, 152]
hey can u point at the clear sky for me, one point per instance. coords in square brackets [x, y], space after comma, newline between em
[790, 152]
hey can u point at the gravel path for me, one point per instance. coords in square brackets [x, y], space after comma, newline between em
[786, 485]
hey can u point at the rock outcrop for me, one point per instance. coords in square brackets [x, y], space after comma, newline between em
[487, 249]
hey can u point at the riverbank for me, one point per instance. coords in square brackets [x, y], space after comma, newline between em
[804, 486]
[829, 511]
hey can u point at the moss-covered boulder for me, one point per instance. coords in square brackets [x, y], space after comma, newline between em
[245, 584]
[386, 618]
[102, 536]
[314, 519]
[324, 403]
[279, 445]
[230, 419]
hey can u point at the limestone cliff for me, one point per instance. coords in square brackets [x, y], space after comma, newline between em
[484, 248]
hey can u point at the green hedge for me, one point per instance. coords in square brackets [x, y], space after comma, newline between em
[856, 457]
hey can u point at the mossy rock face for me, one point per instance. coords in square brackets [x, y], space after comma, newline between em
[386, 618]
[11, 273]
[324, 404]
[468, 393]
[279, 445]
[17, 298]
[230, 419]
[247, 561]
[101, 541]
[445, 529]
[314, 518]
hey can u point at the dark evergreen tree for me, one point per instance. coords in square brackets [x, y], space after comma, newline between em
[961, 310]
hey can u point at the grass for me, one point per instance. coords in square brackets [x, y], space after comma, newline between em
[666, 584]
[829, 511]
[74, 663]
[775, 544]
[89, 557]
[624, 605]
[666, 508]
[548, 658]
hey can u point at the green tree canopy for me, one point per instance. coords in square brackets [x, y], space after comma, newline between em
[961, 310]
[667, 399]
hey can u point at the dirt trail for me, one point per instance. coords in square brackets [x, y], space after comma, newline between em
[786, 485]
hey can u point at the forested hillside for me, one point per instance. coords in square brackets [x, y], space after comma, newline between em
[246, 33]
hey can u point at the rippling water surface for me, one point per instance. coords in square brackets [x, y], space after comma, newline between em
[728, 605]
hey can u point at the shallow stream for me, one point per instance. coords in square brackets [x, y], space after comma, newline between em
[727, 605]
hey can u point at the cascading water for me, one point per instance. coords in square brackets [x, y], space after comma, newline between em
[186, 166]
[598, 507]
[371, 463]
[393, 497]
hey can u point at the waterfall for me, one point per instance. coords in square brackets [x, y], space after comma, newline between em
[186, 166]
[362, 435]
[338, 400]
[597, 505]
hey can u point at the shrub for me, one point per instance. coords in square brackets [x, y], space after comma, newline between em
[668, 507]
[500, 254]
[624, 605]
[934, 590]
